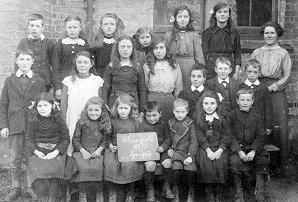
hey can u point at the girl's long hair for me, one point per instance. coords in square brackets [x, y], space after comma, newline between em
[151, 59]
[213, 21]
[125, 99]
[97, 41]
[137, 35]
[104, 122]
[44, 96]
[76, 18]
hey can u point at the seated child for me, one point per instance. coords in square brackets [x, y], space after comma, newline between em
[213, 135]
[183, 148]
[198, 75]
[247, 145]
[47, 140]
[262, 100]
[153, 123]
[224, 85]
[89, 140]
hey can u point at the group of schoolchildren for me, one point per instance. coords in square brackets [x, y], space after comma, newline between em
[207, 125]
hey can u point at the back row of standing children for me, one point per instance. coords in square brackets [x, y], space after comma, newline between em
[166, 66]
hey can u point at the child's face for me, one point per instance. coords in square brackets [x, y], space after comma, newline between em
[252, 73]
[209, 105]
[24, 62]
[223, 70]
[245, 102]
[180, 112]
[35, 27]
[83, 65]
[222, 15]
[73, 29]
[153, 117]
[182, 18]
[145, 39]
[125, 48]
[197, 78]
[94, 111]
[160, 51]
[108, 26]
[44, 108]
[123, 110]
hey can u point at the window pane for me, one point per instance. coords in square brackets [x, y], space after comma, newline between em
[261, 12]
[243, 7]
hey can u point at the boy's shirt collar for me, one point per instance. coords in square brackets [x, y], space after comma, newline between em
[211, 117]
[250, 84]
[78, 41]
[42, 37]
[221, 80]
[200, 88]
[19, 73]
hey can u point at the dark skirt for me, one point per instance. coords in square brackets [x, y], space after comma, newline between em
[165, 101]
[215, 171]
[88, 170]
[62, 167]
[121, 173]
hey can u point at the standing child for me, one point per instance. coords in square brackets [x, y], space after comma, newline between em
[163, 78]
[183, 148]
[89, 140]
[124, 114]
[198, 75]
[65, 51]
[262, 104]
[42, 48]
[221, 39]
[152, 123]
[77, 89]
[225, 86]
[214, 139]
[247, 145]
[110, 29]
[143, 40]
[184, 42]
[47, 140]
[124, 75]
[18, 91]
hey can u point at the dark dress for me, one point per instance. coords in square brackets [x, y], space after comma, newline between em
[125, 79]
[217, 42]
[63, 59]
[46, 135]
[262, 103]
[214, 135]
[141, 54]
[114, 171]
[102, 57]
[183, 142]
[247, 134]
[90, 138]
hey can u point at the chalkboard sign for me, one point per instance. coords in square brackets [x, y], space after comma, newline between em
[137, 147]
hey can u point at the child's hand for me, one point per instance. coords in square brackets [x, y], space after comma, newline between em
[210, 154]
[58, 94]
[159, 149]
[86, 155]
[242, 156]
[39, 154]
[251, 155]
[236, 76]
[273, 87]
[113, 148]
[97, 152]
[171, 152]
[187, 161]
[268, 131]
[4, 132]
[218, 153]
[141, 117]
[52, 154]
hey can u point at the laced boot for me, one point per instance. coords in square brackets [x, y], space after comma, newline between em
[99, 193]
[219, 193]
[176, 193]
[166, 189]
[238, 189]
[191, 195]
[112, 193]
[131, 195]
[210, 196]
[149, 181]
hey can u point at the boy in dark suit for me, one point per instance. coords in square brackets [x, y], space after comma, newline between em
[42, 48]
[247, 146]
[225, 86]
[262, 98]
[19, 90]
[198, 75]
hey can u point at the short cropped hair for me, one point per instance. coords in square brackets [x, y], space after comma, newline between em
[254, 63]
[152, 106]
[199, 66]
[245, 91]
[24, 52]
[223, 60]
[180, 102]
[36, 16]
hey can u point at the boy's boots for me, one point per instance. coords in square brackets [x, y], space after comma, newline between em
[176, 193]
[82, 192]
[99, 193]
[238, 188]
[219, 192]
[166, 189]
[260, 190]
[210, 196]
[191, 177]
[149, 181]
[112, 192]
[131, 195]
